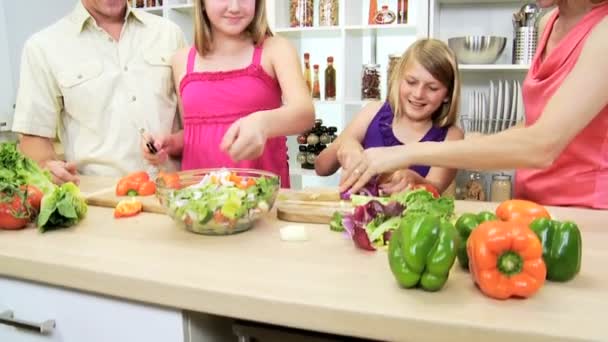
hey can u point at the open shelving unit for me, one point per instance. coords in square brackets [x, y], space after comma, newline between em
[351, 45]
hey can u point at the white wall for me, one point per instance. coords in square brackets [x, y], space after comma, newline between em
[23, 18]
[6, 84]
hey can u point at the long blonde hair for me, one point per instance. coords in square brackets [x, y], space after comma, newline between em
[440, 61]
[203, 38]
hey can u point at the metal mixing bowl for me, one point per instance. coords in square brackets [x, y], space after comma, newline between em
[477, 49]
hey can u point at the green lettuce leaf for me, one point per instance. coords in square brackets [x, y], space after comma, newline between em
[64, 207]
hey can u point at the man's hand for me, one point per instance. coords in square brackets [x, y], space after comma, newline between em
[62, 172]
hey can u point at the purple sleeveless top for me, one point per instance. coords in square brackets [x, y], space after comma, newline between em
[380, 134]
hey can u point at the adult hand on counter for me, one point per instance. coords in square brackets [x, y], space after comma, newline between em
[245, 139]
[62, 172]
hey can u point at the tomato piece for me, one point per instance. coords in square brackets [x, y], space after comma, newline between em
[34, 196]
[517, 209]
[428, 188]
[128, 208]
[147, 188]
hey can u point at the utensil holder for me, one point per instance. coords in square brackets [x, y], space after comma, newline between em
[524, 44]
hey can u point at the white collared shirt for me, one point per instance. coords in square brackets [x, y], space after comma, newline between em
[95, 93]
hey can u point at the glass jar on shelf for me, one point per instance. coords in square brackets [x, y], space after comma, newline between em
[330, 80]
[500, 190]
[150, 3]
[328, 12]
[139, 3]
[475, 189]
[370, 82]
[301, 13]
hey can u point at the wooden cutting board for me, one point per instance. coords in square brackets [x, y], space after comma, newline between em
[107, 198]
[310, 211]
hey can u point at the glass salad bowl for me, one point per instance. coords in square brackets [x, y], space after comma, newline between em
[220, 201]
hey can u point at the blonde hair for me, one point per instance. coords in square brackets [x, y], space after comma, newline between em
[203, 38]
[440, 61]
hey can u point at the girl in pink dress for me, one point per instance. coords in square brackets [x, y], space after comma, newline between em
[561, 152]
[232, 86]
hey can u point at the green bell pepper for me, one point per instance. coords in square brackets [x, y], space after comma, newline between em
[422, 251]
[465, 225]
[562, 246]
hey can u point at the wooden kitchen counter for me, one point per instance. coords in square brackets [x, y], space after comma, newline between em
[324, 284]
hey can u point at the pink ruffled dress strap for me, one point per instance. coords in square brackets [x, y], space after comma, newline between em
[191, 60]
[257, 55]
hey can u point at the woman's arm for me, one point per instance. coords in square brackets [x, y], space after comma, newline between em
[441, 177]
[297, 115]
[327, 162]
[572, 107]
[438, 177]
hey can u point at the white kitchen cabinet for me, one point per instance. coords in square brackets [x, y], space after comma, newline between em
[84, 317]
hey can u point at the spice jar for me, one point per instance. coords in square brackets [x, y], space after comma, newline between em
[318, 123]
[301, 157]
[302, 138]
[500, 190]
[150, 3]
[330, 80]
[312, 139]
[332, 133]
[474, 189]
[392, 64]
[301, 13]
[328, 12]
[139, 3]
[325, 138]
[316, 88]
[311, 157]
[370, 82]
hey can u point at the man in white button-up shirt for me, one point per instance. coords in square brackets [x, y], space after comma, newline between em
[94, 79]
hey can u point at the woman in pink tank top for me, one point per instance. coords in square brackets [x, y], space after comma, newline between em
[562, 152]
[232, 85]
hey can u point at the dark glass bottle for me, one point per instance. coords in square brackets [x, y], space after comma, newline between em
[330, 80]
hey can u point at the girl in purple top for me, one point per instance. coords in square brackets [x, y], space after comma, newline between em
[422, 104]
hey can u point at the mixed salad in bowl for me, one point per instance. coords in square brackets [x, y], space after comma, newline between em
[220, 201]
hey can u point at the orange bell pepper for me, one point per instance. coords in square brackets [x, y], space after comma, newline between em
[517, 209]
[506, 259]
[136, 184]
[128, 208]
